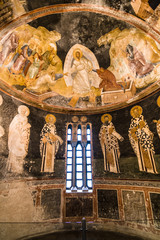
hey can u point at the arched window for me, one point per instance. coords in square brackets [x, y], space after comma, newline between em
[89, 158]
[79, 157]
[69, 158]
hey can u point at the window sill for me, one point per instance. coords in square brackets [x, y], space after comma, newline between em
[80, 191]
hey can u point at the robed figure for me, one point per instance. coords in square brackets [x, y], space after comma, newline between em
[158, 121]
[141, 139]
[18, 140]
[81, 70]
[109, 143]
[49, 144]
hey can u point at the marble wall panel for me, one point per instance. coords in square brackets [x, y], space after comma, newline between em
[79, 207]
[134, 207]
[51, 203]
[155, 202]
[107, 204]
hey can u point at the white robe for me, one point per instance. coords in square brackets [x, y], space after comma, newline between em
[83, 76]
[18, 140]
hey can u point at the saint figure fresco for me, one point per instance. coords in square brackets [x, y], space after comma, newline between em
[158, 121]
[109, 143]
[141, 139]
[49, 144]
[18, 140]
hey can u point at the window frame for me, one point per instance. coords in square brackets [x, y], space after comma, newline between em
[87, 169]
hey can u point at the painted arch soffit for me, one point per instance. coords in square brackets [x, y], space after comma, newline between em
[86, 66]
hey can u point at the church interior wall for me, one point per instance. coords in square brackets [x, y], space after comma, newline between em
[124, 199]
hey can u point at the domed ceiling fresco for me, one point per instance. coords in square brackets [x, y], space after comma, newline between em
[57, 58]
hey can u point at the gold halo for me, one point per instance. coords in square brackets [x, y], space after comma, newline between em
[139, 110]
[23, 108]
[75, 51]
[50, 118]
[106, 115]
[158, 101]
[75, 119]
[83, 119]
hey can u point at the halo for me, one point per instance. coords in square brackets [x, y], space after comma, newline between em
[83, 119]
[75, 51]
[50, 118]
[140, 110]
[75, 119]
[158, 101]
[106, 115]
[24, 110]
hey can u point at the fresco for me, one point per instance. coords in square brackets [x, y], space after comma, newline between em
[104, 70]
[32, 65]
[28, 55]
[11, 9]
[158, 121]
[141, 139]
[134, 206]
[126, 145]
[148, 11]
[18, 140]
[134, 56]
[109, 144]
[95, 70]
[49, 144]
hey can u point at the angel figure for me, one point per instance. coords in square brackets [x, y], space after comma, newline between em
[141, 139]
[49, 144]
[109, 143]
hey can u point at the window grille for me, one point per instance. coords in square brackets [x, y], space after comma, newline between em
[79, 157]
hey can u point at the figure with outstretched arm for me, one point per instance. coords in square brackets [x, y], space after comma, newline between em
[80, 73]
